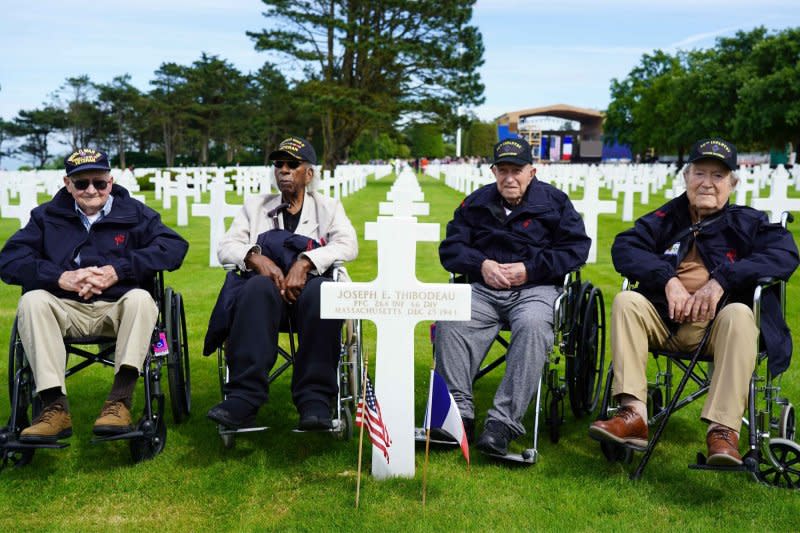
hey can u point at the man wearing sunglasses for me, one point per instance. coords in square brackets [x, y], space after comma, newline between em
[82, 261]
[282, 281]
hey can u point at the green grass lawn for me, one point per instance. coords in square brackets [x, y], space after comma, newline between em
[279, 480]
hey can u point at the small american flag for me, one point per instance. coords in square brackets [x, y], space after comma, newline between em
[377, 429]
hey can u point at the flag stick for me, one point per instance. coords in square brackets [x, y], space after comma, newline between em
[427, 437]
[361, 431]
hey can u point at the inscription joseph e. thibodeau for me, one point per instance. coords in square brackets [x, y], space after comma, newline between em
[394, 302]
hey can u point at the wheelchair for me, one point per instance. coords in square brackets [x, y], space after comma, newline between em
[579, 338]
[349, 376]
[169, 348]
[772, 457]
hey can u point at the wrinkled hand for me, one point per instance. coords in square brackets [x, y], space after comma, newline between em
[296, 279]
[265, 266]
[702, 306]
[493, 275]
[515, 273]
[88, 282]
[677, 299]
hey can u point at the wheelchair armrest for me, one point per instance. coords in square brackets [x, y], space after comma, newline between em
[230, 266]
[761, 285]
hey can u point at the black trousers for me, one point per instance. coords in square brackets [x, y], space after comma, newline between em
[253, 343]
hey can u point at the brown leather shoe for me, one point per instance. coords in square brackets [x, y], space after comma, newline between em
[115, 418]
[625, 427]
[723, 447]
[53, 423]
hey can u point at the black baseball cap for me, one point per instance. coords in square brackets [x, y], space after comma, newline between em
[514, 151]
[714, 148]
[294, 148]
[86, 159]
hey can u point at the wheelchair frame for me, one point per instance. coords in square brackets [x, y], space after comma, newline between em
[579, 336]
[349, 372]
[770, 460]
[150, 433]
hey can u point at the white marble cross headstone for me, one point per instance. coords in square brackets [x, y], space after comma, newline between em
[628, 187]
[216, 210]
[590, 207]
[27, 201]
[403, 204]
[396, 301]
[158, 182]
[182, 193]
[778, 200]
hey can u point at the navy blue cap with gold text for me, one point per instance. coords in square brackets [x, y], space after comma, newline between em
[294, 148]
[714, 148]
[86, 159]
[514, 151]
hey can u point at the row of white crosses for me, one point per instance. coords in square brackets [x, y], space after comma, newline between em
[396, 301]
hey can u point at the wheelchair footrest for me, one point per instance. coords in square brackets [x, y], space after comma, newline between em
[17, 445]
[419, 436]
[122, 436]
[527, 457]
[703, 465]
[232, 431]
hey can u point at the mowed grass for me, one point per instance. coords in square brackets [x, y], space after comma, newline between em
[279, 480]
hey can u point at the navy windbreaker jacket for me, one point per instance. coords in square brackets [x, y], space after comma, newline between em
[738, 246]
[544, 232]
[131, 238]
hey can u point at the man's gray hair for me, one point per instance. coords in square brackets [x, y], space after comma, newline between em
[688, 167]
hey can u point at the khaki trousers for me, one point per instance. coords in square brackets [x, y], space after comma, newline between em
[43, 320]
[636, 328]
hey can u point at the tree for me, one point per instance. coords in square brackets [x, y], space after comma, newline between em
[274, 109]
[170, 105]
[118, 101]
[367, 63]
[768, 110]
[426, 140]
[480, 138]
[76, 99]
[5, 134]
[36, 126]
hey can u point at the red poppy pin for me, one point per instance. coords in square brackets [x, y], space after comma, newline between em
[526, 223]
[731, 255]
[119, 238]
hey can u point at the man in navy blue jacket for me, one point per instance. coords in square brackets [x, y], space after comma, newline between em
[515, 240]
[686, 256]
[83, 261]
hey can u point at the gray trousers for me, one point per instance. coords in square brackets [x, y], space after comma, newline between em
[460, 347]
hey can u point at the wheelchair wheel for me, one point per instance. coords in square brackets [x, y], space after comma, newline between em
[345, 429]
[352, 343]
[786, 473]
[153, 442]
[584, 374]
[786, 427]
[178, 358]
[24, 401]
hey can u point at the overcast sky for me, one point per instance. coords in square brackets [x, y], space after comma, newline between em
[537, 53]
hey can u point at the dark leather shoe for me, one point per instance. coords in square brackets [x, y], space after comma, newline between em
[315, 423]
[495, 438]
[223, 416]
[625, 427]
[723, 447]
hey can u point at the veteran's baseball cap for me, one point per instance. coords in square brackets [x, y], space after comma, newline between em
[714, 148]
[86, 159]
[514, 151]
[294, 148]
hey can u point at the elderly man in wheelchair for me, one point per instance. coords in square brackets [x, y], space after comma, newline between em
[515, 240]
[83, 261]
[697, 261]
[285, 246]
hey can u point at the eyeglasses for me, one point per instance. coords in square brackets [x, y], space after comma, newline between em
[82, 185]
[292, 164]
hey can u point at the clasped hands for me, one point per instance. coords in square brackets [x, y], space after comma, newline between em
[88, 282]
[503, 275]
[698, 307]
[289, 285]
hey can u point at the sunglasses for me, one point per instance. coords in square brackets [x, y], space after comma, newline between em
[292, 164]
[82, 185]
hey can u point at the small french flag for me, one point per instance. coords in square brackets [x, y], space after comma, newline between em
[442, 412]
